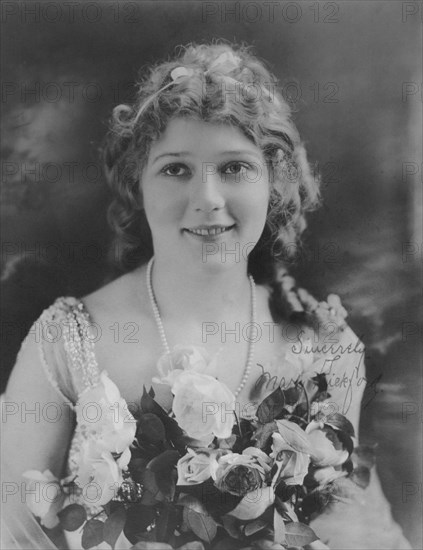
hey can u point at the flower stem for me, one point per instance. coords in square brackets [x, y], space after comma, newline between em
[238, 423]
[307, 402]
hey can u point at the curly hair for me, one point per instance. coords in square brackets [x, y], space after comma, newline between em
[216, 83]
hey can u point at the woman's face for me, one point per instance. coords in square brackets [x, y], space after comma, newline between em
[206, 191]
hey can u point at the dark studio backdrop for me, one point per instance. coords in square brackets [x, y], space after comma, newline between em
[352, 71]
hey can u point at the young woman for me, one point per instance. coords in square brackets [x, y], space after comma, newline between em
[208, 156]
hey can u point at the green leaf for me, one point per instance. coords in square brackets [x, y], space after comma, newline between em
[200, 523]
[137, 468]
[146, 450]
[197, 518]
[216, 502]
[316, 500]
[279, 528]
[138, 518]
[113, 526]
[254, 527]
[299, 534]
[150, 545]
[165, 476]
[283, 491]
[169, 518]
[149, 405]
[292, 395]
[228, 543]
[321, 382]
[285, 509]
[271, 407]
[254, 504]
[72, 517]
[151, 427]
[148, 499]
[264, 433]
[92, 533]
[338, 422]
[174, 433]
[111, 506]
[152, 490]
[232, 526]
[166, 522]
[346, 440]
[189, 501]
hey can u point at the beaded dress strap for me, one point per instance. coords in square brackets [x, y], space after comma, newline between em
[68, 319]
[48, 327]
[79, 345]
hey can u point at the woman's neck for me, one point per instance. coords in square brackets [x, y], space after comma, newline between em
[201, 292]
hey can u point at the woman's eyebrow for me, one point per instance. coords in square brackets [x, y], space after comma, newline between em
[179, 154]
[242, 152]
[182, 153]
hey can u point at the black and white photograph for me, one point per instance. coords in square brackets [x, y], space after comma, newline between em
[211, 275]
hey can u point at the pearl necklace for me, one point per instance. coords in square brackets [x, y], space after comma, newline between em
[162, 333]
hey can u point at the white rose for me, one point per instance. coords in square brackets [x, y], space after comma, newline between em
[323, 451]
[103, 415]
[101, 470]
[108, 476]
[183, 358]
[291, 452]
[239, 474]
[198, 466]
[44, 496]
[203, 406]
[292, 465]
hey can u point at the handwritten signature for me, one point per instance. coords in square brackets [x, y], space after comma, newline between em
[333, 348]
[349, 380]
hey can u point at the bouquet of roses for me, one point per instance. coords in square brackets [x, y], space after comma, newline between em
[204, 477]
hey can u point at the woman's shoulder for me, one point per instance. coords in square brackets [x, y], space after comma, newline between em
[64, 319]
[119, 296]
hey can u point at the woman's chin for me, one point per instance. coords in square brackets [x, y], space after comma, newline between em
[224, 249]
[218, 255]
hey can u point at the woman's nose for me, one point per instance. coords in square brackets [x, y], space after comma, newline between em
[207, 193]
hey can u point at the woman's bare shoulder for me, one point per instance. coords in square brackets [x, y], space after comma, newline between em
[121, 296]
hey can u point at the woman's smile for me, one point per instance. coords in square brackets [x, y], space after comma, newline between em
[209, 232]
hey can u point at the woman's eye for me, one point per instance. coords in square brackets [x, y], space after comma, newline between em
[174, 170]
[235, 168]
